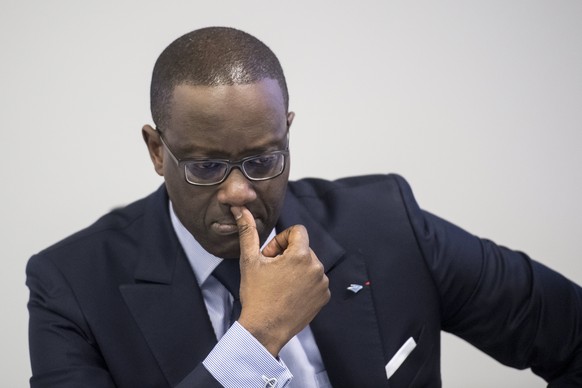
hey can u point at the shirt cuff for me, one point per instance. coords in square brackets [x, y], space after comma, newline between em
[239, 360]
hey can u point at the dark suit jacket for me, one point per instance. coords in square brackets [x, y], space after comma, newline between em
[117, 304]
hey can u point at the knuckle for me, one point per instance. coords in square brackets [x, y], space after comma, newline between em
[317, 269]
[299, 228]
[327, 295]
[304, 252]
[325, 283]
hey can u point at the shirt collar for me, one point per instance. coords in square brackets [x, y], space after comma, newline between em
[201, 261]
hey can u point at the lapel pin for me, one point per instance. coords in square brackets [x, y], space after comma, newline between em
[355, 288]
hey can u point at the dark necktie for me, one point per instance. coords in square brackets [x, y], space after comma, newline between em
[228, 273]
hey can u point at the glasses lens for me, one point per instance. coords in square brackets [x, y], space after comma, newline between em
[264, 166]
[205, 172]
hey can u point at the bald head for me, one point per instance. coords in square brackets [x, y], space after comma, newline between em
[210, 57]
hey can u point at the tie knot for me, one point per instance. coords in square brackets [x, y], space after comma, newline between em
[228, 273]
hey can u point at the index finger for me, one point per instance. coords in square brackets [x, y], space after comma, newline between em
[247, 232]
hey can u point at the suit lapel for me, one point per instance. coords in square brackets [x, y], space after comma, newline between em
[165, 299]
[346, 329]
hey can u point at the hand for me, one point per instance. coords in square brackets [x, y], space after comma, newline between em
[283, 287]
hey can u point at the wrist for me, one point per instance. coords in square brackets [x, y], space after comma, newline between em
[272, 339]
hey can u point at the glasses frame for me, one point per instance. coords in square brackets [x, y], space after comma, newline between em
[229, 164]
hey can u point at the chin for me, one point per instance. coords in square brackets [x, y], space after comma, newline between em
[227, 250]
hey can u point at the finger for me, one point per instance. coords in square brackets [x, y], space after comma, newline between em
[247, 231]
[295, 236]
[277, 245]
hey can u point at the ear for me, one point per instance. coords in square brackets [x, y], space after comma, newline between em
[290, 117]
[155, 148]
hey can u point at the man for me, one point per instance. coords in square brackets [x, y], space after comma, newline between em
[343, 284]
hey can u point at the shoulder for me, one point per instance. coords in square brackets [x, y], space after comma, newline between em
[355, 200]
[115, 228]
[361, 191]
[314, 187]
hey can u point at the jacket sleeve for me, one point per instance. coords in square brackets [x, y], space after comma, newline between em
[199, 378]
[63, 351]
[511, 307]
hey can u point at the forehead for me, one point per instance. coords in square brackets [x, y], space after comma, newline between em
[222, 104]
[221, 117]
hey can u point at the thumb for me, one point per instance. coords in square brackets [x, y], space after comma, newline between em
[247, 232]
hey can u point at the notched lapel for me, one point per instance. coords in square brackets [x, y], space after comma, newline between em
[165, 299]
[173, 320]
[328, 251]
[346, 329]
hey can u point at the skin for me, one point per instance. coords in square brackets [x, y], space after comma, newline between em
[229, 122]
[284, 286]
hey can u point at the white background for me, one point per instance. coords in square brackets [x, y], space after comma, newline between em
[477, 104]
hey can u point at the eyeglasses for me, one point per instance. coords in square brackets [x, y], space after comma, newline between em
[208, 172]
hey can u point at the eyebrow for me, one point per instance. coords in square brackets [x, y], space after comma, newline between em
[215, 153]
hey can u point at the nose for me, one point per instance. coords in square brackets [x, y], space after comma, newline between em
[236, 190]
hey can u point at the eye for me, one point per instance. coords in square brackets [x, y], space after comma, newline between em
[205, 165]
[205, 169]
[263, 161]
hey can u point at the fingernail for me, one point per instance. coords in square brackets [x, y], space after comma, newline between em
[236, 212]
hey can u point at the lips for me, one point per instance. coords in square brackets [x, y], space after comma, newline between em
[224, 228]
[228, 226]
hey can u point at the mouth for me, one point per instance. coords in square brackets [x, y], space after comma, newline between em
[227, 227]
[224, 228]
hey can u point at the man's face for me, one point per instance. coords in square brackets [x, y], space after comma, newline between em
[223, 122]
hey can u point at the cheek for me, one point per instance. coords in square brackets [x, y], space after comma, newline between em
[190, 202]
[273, 195]
[194, 212]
